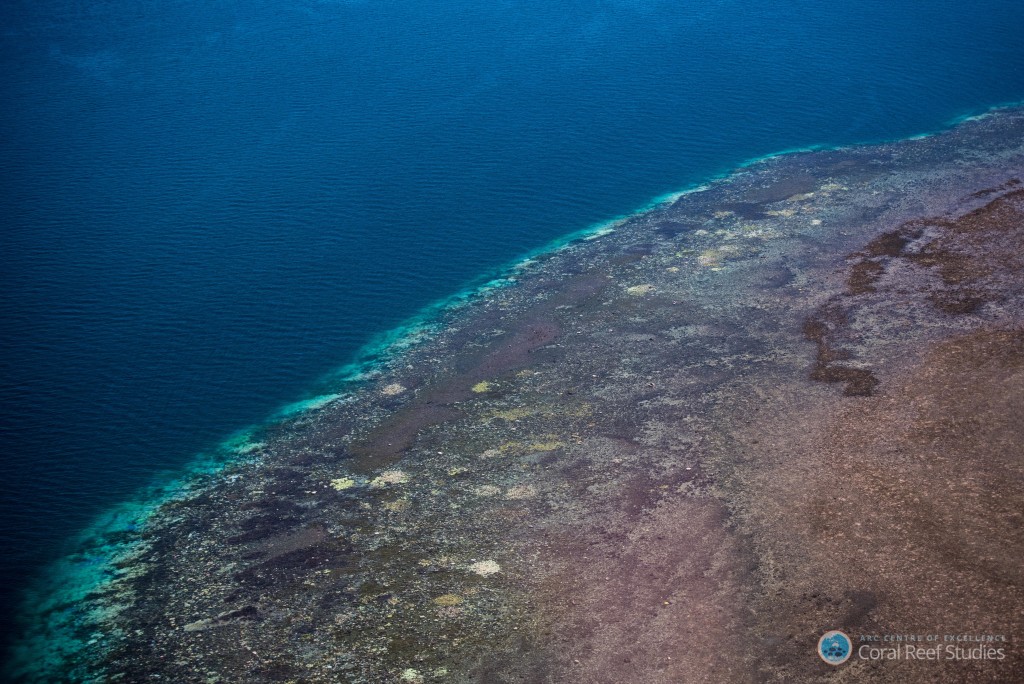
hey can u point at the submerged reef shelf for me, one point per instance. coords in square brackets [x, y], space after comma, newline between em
[783, 402]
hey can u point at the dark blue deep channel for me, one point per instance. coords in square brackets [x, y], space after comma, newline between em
[207, 206]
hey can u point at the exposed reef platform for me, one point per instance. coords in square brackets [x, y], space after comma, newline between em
[785, 402]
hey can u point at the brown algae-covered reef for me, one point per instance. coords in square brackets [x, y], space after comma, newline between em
[681, 450]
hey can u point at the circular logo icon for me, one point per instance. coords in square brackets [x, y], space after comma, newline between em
[834, 647]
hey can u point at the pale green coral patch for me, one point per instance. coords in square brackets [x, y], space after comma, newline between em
[343, 483]
[482, 386]
[521, 412]
[411, 676]
[713, 258]
[549, 445]
[640, 290]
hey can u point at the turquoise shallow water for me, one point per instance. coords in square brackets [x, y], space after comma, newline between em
[207, 208]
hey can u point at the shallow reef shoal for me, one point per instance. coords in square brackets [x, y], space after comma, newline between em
[788, 401]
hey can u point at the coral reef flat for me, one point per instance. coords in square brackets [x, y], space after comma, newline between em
[788, 401]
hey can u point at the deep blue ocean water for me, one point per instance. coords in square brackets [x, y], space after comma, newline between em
[207, 206]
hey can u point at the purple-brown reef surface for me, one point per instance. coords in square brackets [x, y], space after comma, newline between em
[789, 401]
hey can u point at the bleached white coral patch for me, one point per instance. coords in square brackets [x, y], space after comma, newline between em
[389, 477]
[392, 389]
[485, 568]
